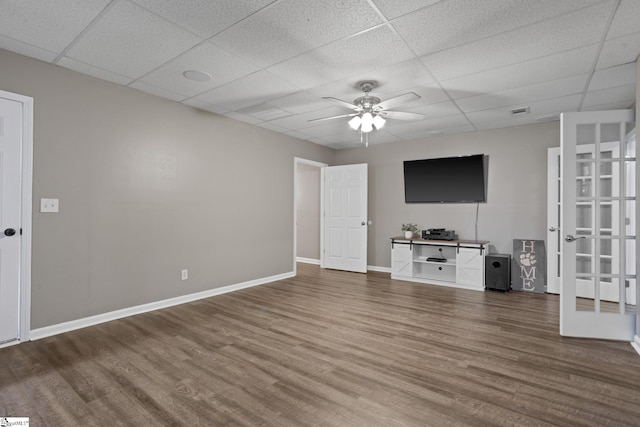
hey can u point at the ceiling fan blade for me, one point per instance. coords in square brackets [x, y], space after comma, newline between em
[401, 115]
[342, 103]
[397, 100]
[332, 117]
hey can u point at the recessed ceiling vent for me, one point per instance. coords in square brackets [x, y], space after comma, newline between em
[520, 111]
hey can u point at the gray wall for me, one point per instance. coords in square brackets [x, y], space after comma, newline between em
[147, 187]
[516, 192]
[308, 211]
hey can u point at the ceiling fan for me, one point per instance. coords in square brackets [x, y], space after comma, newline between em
[371, 114]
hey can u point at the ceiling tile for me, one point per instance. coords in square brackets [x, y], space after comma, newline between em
[223, 67]
[442, 131]
[270, 126]
[541, 91]
[291, 27]
[247, 91]
[514, 121]
[614, 76]
[380, 137]
[348, 57]
[401, 129]
[622, 50]
[131, 41]
[301, 121]
[93, 71]
[442, 109]
[204, 17]
[527, 73]
[560, 34]
[430, 94]
[625, 20]
[621, 94]
[453, 23]
[264, 112]
[330, 127]
[393, 8]
[50, 25]
[300, 102]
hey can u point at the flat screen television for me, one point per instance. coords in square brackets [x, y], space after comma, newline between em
[445, 180]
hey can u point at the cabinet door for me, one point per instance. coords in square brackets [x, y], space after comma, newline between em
[470, 267]
[401, 260]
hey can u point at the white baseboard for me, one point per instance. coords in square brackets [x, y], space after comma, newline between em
[369, 267]
[636, 343]
[72, 325]
[380, 269]
[308, 260]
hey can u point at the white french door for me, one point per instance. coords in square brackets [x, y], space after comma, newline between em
[597, 205]
[15, 210]
[344, 223]
[609, 290]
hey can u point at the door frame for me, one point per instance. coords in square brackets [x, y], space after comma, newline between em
[26, 213]
[296, 162]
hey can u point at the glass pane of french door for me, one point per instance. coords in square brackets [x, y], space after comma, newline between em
[605, 218]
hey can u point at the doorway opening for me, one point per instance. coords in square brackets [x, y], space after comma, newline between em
[307, 208]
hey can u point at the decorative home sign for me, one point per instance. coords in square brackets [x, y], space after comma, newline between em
[529, 272]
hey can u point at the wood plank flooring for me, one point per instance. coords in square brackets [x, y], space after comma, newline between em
[328, 348]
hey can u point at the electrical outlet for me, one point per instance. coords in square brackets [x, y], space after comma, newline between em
[185, 274]
[49, 205]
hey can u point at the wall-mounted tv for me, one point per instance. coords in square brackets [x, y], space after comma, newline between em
[445, 180]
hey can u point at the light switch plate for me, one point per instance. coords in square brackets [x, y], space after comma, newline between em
[49, 205]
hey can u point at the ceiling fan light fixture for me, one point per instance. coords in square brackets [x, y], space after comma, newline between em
[378, 122]
[355, 122]
[367, 122]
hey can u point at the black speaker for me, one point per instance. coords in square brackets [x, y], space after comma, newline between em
[497, 272]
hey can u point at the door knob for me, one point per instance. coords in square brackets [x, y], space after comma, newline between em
[363, 223]
[9, 232]
[569, 238]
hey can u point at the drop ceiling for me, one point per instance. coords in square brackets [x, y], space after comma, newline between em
[272, 62]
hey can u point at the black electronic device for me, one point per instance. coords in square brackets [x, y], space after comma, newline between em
[439, 234]
[445, 180]
[434, 259]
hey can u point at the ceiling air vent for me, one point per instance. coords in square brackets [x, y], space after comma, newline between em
[520, 111]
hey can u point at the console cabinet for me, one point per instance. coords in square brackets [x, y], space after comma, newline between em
[456, 263]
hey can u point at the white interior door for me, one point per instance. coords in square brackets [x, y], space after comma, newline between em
[597, 224]
[344, 225]
[11, 121]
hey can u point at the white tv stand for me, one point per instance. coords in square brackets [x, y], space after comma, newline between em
[463, 268]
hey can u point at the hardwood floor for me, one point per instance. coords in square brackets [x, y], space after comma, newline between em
[328, 348]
